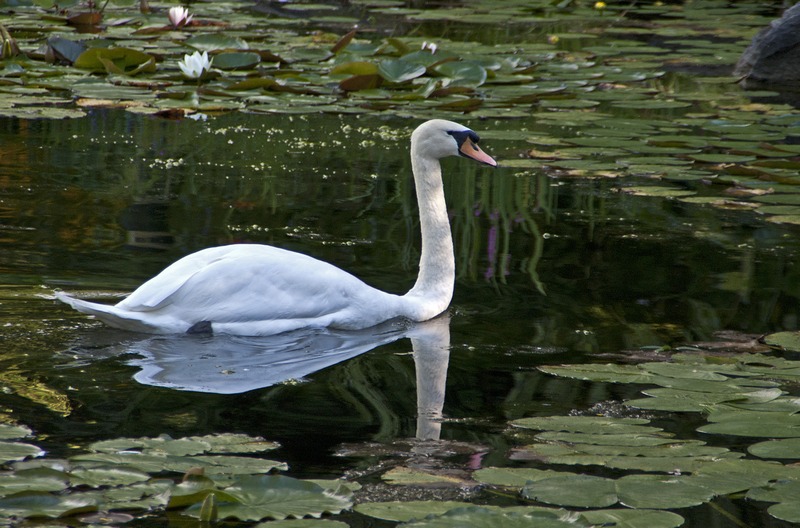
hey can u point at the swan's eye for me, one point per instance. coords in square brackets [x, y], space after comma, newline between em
[462, 135]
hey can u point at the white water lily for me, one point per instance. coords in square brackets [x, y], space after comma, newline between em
[430, 46]
[195, 65]
[179, 16]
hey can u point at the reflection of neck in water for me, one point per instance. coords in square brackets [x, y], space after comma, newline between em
[233, 365]
[431, 344]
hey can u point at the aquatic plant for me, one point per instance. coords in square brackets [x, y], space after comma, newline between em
[196, 65]
[179, 16]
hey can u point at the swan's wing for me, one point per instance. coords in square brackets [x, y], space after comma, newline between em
[154, 293]
[249, 283]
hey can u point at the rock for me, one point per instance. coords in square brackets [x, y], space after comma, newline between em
[773, 56]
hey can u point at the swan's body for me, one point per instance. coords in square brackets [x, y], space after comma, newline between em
[249, 289]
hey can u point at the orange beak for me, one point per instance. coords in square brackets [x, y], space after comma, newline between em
[473, 151]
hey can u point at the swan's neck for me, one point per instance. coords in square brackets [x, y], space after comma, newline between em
[433, 290]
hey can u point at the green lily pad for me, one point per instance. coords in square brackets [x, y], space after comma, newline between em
[638, 518]
[478, 517]
[10, 451]
[786, 448]
[303, 523]
[754, 424]
[730, 476]
[399, 70]
[600, 425]
[116, 60]
[676, 400]
[601, 373]
[786, 511]
[216, 41]
[8, 432]
[355, 68]
[462, 73]
[781, 491]
[31, 480]
[277, 497]
[235, 443]
[106, 476]
[511, 477]
[784, 340]
[407, 510]
[406, 476]
[721, 158]
[581, 491]
[28, 505]
[657, 190]
[660, 492]
[236, 60]
[784, 219]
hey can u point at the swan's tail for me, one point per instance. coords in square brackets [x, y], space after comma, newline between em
[110, 315]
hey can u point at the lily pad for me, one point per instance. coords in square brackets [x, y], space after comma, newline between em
[26, 505]
[784, 340]
[10, 451]
[407, 510]
[639, 518]
[600, 425]
[236, 60]
[399, 70]
[475, 516]
[116, 60]
[462, 73]
[786, 448]
[660, 492]
[216, 41]
[276, 497]
[582, 491]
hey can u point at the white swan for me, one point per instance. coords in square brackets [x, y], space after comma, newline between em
[249, 289]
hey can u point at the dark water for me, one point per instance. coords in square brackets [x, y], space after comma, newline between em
[549, 271]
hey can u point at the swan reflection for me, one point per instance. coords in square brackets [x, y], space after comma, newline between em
[235, 364]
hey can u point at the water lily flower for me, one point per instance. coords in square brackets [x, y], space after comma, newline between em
[179, 16]
[194, 66]
[9, 47]
[430, 46]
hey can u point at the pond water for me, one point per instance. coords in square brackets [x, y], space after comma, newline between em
[557, 263]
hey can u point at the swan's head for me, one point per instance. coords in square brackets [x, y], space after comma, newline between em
[439, 138]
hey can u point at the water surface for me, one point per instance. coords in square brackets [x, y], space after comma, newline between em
[550, 270]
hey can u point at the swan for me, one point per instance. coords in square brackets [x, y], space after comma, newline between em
[259, 290]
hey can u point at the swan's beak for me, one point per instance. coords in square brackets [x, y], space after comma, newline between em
[471, 150]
